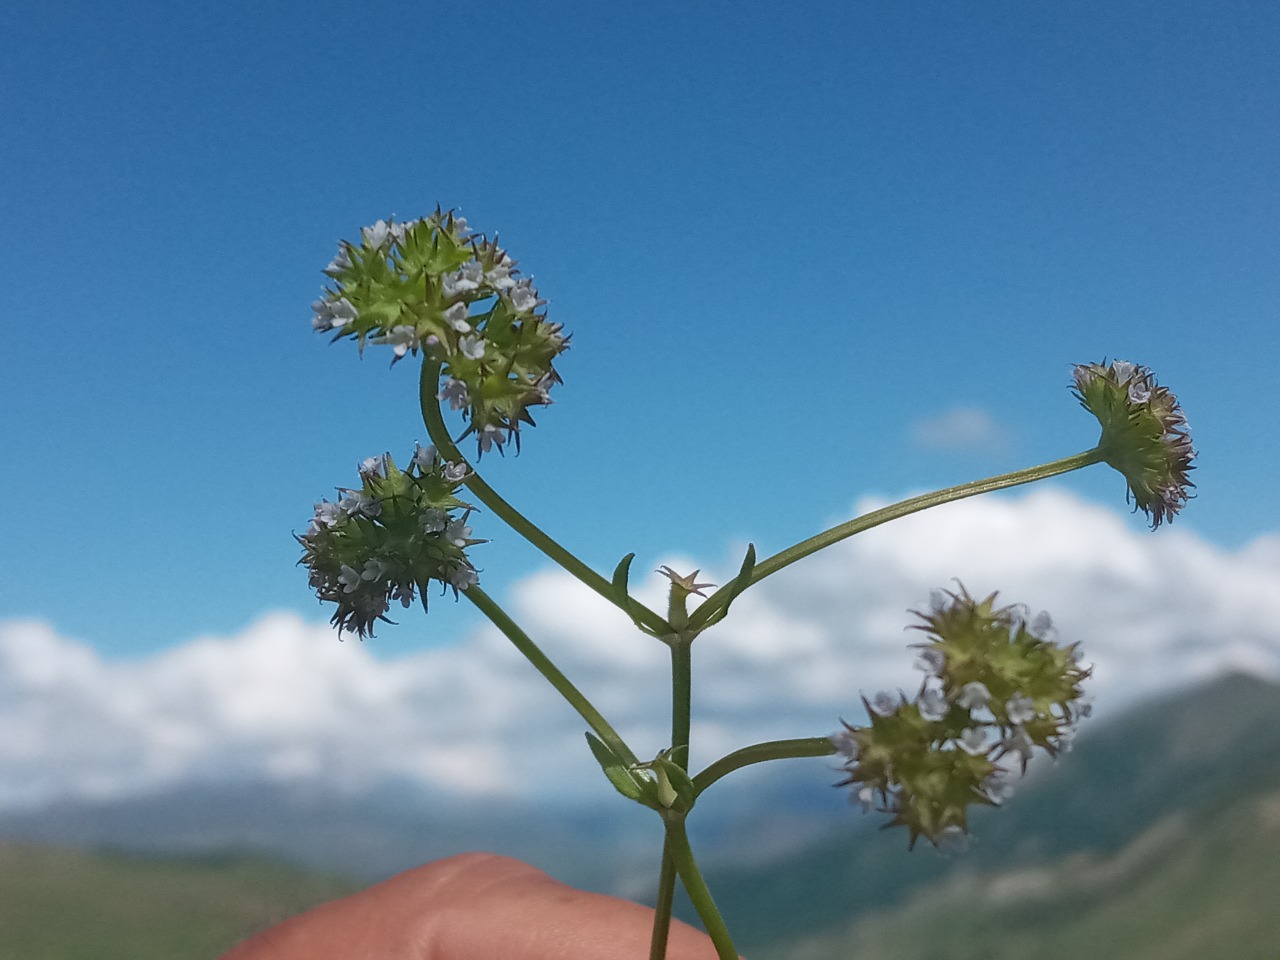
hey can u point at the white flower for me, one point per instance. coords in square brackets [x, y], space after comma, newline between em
[1018, 742]
[402, 338]
[974, 741]
[1042, 627]
[456, 317]
[867, 797]
[374, 569]
[462, 577]
[374, 466]
[931, 661]
[998, 785]
[332, 314]
[885, 703]
[973, 696]
[491, 436]
[846, 744]
[355, 503]
[327, 514]
[339, 263]
[455, 391]
[1123, 370]
[433, 520]
[1020, 709]
[399, 230]
[455, 472]
[464, 281]
[349, 578]
[457, 532]
[376, 235]
[472, 347]
[404, 593]
[523, 297]
[499, 275]
[424, 458]
[932, 704]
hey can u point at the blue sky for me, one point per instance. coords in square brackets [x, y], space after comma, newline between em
[784, 245]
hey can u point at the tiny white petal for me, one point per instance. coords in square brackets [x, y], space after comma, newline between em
[932, 704]
[974, 741]
[931, 661]
[455, 391]
[846, 744]
[456, 317]
[1020, 709]
[424, 458]
[973, 696]
[434, 520]
[376, 235]
[885, 703]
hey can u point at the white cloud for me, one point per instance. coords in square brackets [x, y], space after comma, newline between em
[963, 429]
[285, 700]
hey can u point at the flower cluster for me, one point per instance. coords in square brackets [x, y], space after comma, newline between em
[1144, 434]
[387, 540]
[996, 687]
[431, 285]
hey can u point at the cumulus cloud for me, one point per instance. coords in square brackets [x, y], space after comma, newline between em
[962, 429]
[286, 701]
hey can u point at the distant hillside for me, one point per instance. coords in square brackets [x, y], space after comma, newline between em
[1159, 832]
[1180, 760]
[79, 905]
[1182, 890]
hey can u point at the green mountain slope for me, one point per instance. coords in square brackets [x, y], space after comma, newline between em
[1183, 890]
[78, 905]
[1181, 757]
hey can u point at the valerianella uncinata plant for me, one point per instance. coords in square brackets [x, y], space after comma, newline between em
[998, 686]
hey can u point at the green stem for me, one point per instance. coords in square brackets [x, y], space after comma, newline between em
[696, 887]
[681, 699]
[439, 434]
[894, 511]
[544, 666]
[662, 909]
[761, 752]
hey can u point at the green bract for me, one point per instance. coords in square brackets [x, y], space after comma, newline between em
[430, 285]
[389, 539]
[1144, 434]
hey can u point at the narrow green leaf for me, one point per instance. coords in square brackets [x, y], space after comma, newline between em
[738, 584]
[615, 769]
[621, 573]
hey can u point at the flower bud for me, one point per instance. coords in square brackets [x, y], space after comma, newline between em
[385, 541]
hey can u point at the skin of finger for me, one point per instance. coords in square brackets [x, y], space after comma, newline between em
[472, 906]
